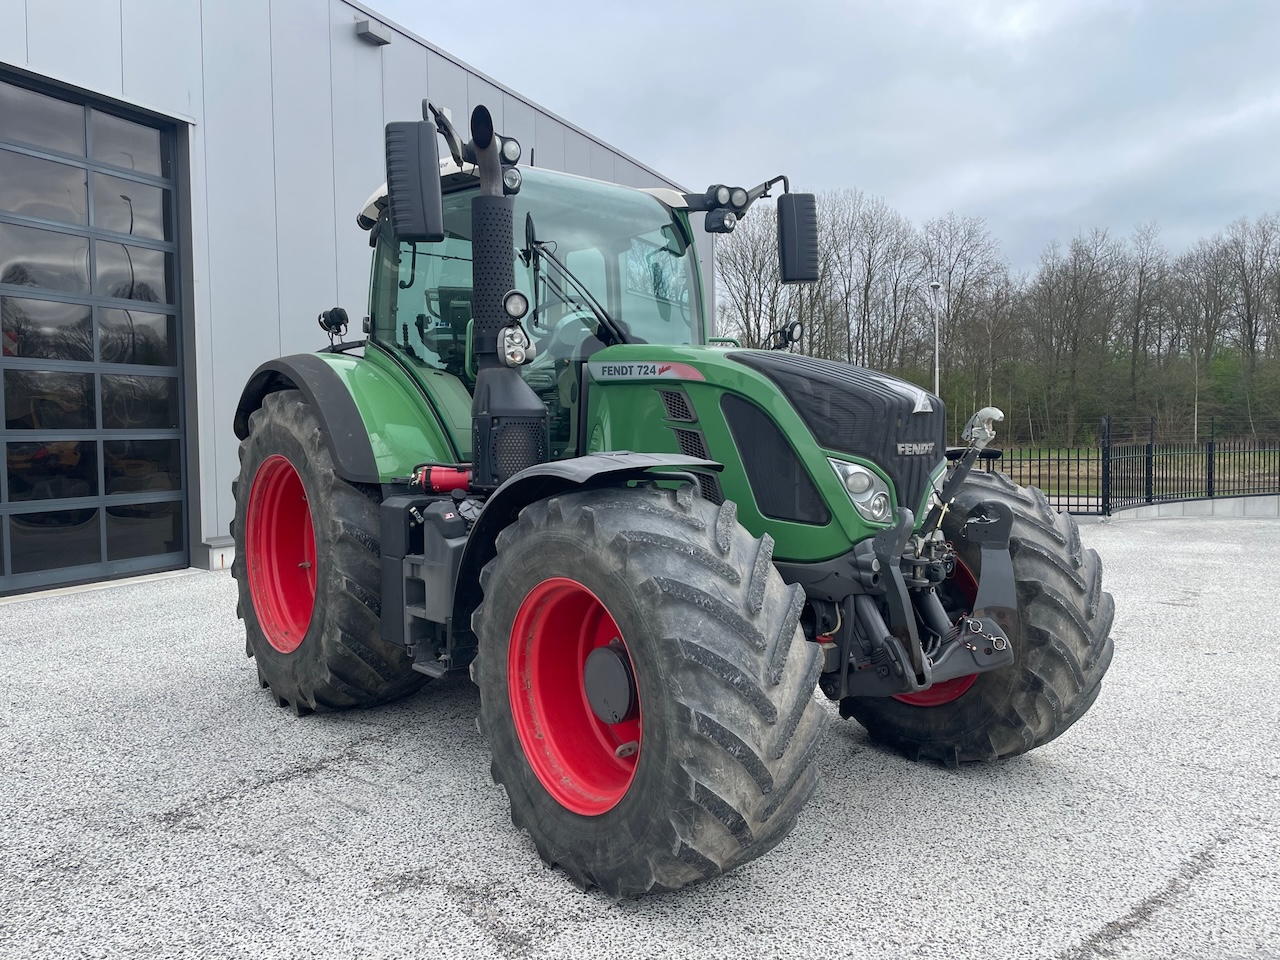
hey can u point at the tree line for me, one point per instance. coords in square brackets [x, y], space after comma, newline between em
[1103, 326]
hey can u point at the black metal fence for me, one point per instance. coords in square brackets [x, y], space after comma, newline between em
[1108, 476]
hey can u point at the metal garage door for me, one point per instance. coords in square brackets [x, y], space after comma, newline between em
[93, 483]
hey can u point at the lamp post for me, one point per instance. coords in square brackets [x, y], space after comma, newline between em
[934, 287]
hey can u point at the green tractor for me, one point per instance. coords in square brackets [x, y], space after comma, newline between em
[649, 550]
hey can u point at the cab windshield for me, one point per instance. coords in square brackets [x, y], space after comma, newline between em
[628, 249]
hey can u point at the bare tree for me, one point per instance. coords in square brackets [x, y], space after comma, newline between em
[1147, 271]
[1099, 326]
[1252, 251]
[750, 296]
[960, 253]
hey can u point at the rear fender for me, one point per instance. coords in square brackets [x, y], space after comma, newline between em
[344, 428]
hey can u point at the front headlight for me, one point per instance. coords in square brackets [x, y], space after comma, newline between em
[869, 493]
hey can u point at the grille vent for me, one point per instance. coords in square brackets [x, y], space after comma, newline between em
[517, 443]
[494, 267]
[710, 484]
[692, 444]
[678, 406]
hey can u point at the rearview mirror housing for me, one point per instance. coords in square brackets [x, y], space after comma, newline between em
[798, 237]
[413, 182]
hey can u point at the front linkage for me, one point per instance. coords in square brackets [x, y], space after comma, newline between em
[891, 634]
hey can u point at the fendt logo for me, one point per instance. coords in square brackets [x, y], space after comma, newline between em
[914, 449]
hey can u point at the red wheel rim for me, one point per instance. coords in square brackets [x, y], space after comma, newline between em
[280, 554]
[573, 753]
[948, 690]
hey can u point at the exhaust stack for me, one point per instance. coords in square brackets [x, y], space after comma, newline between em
[508, 420]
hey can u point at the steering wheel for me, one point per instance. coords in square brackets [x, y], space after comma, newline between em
[560, 343]
[569, 331]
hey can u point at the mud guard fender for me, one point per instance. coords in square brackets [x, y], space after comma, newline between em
[537, 483]
[344, 429]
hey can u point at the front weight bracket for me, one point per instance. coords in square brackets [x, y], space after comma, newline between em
[989, 526]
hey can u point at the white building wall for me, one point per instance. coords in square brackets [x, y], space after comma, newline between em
[285, 107]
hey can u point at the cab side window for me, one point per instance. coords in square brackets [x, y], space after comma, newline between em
[422, 293]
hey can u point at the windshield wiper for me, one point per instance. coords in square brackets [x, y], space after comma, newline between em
[536, 250]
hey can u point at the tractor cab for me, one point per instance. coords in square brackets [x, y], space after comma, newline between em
[633, 260]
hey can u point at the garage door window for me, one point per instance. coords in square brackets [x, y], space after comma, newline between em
[92, 482]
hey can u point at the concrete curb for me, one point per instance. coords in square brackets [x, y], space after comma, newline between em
[1257, 507]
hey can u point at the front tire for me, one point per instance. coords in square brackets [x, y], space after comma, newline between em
[710, 759]
[307, 568]
[1061, 641]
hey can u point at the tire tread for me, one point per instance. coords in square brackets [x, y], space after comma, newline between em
[748, 745]
[343, 662]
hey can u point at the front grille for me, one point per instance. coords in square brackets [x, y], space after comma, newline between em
[861, 412]
[782, 487]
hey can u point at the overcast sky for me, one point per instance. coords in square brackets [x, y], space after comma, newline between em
[1046, 117]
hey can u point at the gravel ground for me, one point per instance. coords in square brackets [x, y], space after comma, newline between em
[155, 803]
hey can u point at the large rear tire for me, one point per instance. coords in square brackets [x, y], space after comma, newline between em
[307, 567]
[712, 753]
[1061, 641]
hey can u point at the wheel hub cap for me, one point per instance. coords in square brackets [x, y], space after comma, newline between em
[608, 685]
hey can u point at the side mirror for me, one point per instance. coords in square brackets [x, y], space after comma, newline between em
[798, 237]
[413, 182]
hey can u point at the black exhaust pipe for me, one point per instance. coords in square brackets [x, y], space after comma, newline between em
[508, 420]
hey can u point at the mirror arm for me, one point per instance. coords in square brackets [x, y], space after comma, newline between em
[446, 129]
[413, 270]
[755, 193]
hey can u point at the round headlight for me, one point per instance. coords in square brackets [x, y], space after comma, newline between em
[515, 303]
[515, 355]
[738, 197]
[858, 482]
[510, 150]
[880, 506]
[511, 179]
[722, 195]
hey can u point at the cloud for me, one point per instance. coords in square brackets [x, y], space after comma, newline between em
[1015, 23]
[1033, 114]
